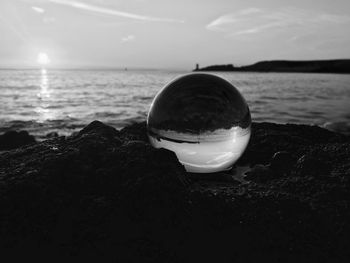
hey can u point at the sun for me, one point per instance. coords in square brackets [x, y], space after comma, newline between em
[43, 59]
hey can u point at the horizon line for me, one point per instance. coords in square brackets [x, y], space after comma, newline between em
[149, 68]
[90, 68]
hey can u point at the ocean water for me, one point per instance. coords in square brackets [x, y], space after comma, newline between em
[64, 101]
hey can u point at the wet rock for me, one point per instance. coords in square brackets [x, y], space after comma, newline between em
[259, 173]
[282, 162]
[107, 195]
[13, 139]
[136, 131]
[310, 165]
[97, 127]
[269, 138]
[322, 159]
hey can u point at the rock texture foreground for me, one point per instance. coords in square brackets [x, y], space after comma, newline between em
[107, 195]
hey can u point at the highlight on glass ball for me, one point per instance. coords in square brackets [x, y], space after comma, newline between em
[203, 119]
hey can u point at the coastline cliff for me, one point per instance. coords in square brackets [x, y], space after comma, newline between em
[309, 66]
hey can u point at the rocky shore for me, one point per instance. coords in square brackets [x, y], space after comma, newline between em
[107, 195]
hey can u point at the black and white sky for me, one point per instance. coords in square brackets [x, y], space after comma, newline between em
[169, 33]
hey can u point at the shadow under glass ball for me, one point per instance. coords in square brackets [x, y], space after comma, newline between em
[203, 119]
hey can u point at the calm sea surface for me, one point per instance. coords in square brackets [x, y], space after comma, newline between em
[42, 101]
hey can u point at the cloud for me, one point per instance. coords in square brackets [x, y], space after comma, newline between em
[38, 9]
[113, 12]
[253, 21]
[128, 38]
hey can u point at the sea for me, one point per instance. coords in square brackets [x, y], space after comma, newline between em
[43, 101]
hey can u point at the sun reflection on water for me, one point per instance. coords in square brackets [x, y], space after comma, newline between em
[44, 97]
[44, 85]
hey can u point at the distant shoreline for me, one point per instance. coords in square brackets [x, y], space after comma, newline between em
[341, 66]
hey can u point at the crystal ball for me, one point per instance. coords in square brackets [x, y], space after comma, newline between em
[204, 119]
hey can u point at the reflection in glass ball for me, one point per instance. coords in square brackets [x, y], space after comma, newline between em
[203, 119]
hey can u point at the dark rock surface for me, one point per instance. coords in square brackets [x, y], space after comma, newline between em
[107, 195]
[13, 139]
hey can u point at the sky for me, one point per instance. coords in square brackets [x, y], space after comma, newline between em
[170, 33]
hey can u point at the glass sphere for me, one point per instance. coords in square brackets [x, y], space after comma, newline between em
[203, 119]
